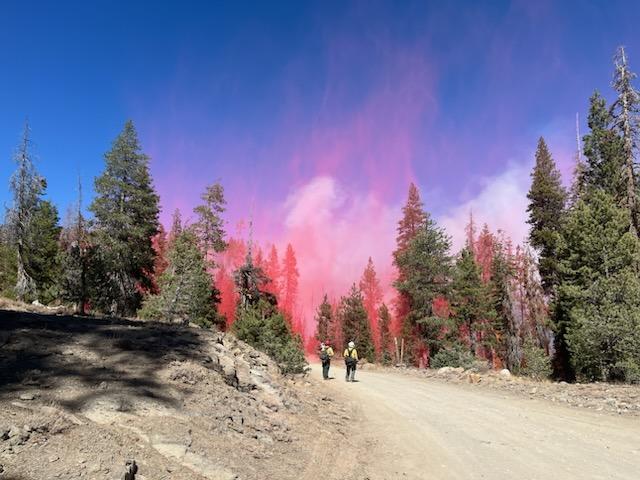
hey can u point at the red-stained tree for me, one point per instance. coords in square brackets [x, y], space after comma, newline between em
[372, 297]
[160, 246]
[274, 272]
[485, 247]
[290, 277]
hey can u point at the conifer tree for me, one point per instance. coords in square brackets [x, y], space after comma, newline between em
[372, 296]
[27, 187]
[547, 199]
[274, 272]
[8, 263]
[42, 251]
[185, 291]
[385, 334]
[625, 116]
[160, 246]
[325, 322]
[290, 277]
[604, 152]
[77, 251]
[355, 323]
[126, 219]
[210, 227]
[485, 246]
[176, 226]
[471, 300]
[426, 267]
[599, 294]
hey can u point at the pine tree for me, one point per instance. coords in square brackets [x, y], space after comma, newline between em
[625, 116]
[27, 187]
[412, 221]
[176, 226]
[76, 253]
[8, 263]
[274, 272]
[355, 323]
[210, 227]
[426, 267]
[604, 152]
[126, 219]
[485, 246]
[325, 322]
[547, 199]
[372, 296]
[290, 277]
[160, 246]
[250, 281]
[185, 288]
[599, 295]
[385, 334]
[42, 251]
[471, 300]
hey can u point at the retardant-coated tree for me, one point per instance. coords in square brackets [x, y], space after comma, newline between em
[325, 322]
[384, 326]
[355, 323]
[547, 199]
[290, 277]
[126, 219]
[372, 297]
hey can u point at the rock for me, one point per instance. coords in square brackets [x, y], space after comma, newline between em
[474, 378]
[445, 370]
[534, 391]
[53, 458]
[505, 373]
[27, 396]
[243, 376]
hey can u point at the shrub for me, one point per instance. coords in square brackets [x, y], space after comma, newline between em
[264, 328]
[536, 363]
[456, 356]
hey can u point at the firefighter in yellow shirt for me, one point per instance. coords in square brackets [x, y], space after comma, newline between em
[326, 352]
[350, 360]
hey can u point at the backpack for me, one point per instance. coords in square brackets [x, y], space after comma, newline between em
[350, 361]
[324, 356]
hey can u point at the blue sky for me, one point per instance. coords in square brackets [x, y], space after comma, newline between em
[266, 96]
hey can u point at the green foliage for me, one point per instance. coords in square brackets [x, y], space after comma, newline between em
[7, 264]
[536, 363]
[384, 324]
[264, 328]
[471, 299]
[325, 322]
[426, 267]
[454, 356]
[126, 218]
[210, 227]
[186, 292]
[547, 199]
[355, 323]
[42, 261]
[599, 294]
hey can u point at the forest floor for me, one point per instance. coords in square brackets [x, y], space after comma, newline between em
[80, 396]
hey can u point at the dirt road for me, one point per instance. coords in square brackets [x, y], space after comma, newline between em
[420, 429]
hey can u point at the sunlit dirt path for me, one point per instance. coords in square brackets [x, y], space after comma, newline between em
[414, 428]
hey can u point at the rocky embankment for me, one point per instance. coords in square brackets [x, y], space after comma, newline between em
[79, 397]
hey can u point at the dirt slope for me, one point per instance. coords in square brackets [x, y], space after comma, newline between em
[428, 429]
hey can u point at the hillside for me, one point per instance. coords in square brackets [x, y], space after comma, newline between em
[80, 396]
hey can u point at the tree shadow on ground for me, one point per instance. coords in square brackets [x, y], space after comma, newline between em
[71, 360]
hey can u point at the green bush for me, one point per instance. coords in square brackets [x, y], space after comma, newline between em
[265, 329]
[456, 356]
[536, 363]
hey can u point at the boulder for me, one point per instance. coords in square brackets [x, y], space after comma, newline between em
[505, 373]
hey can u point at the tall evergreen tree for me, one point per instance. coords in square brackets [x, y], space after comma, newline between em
[8, 263]
[604, 152]
[547, 199]
[385, 334]
[42, 251]
[274, 272]
[210, 227]
[185, 291]
[290, 277]
[355, 323]
[471, 300]
[426, 267]
[27, 187]
[599, 295]
[625, 111]
[126, 219]
[372, 296]
[325, 322]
